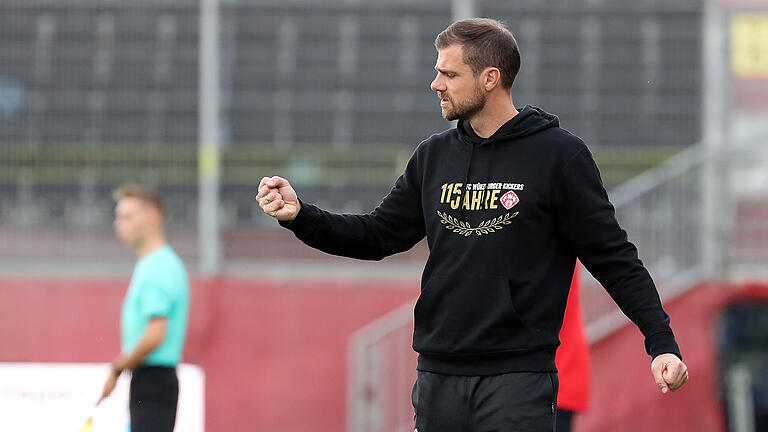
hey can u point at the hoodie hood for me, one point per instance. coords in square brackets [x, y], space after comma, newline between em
[528, 121]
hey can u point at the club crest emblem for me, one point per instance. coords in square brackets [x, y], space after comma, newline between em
[509, 199]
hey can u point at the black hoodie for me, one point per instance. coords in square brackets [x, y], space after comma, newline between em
[505, 219]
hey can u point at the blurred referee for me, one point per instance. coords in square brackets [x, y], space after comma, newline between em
[154, 316]
[507, 201]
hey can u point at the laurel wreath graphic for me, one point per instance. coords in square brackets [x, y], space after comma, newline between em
[485, 227]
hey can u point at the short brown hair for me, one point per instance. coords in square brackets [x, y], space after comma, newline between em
[486, 43]
[142, 193]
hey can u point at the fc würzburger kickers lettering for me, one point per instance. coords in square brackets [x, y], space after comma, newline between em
[480, 196]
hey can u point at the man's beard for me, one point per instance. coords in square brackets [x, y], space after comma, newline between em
[463, 110]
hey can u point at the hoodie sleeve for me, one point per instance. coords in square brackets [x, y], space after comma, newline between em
[587, 219]
[396, 225]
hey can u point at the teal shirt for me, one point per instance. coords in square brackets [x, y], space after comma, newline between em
[159, 288]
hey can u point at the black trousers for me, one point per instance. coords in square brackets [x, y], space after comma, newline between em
[512, 402]
[154, 395]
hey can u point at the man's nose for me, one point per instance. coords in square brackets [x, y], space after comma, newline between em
[437, 85]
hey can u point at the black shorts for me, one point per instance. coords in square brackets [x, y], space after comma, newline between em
[154, 396]
[512, 402]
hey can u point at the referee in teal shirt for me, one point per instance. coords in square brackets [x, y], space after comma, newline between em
[154, 317]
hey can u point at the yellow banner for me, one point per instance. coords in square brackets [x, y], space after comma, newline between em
[749, 45]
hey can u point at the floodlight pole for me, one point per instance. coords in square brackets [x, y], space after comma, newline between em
[715, 63]
[209, 243]
[463, 9]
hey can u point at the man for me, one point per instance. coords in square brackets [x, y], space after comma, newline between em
[507, 201]
[154, 317]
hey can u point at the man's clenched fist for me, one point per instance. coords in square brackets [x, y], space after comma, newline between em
[669, 372]
[278, 199]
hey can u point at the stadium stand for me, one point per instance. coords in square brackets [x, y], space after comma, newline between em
[334, 95]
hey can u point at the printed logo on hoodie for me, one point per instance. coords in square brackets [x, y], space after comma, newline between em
[478, 196]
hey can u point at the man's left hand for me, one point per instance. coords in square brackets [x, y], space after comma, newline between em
[669, 372]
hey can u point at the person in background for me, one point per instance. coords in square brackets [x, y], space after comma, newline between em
[154, 315]
[572, 360]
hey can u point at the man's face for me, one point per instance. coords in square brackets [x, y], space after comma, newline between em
[134, 219]
[460, 93]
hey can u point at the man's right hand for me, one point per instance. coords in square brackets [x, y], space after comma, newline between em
[109, 385]
[277, 198]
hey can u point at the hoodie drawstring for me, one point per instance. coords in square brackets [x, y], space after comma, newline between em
[490, 171]
[466, 180]
[487, 178]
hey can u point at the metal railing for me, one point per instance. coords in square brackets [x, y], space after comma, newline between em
[662, 211]
[381, 373]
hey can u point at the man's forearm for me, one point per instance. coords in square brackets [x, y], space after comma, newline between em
[152, 338]
[136, 357]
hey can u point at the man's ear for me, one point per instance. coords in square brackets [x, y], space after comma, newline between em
[491, 78]
[155, 215]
